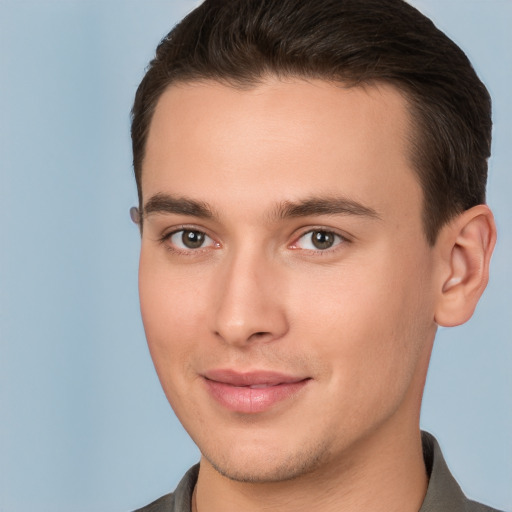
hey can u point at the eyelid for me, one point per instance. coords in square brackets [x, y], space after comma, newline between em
[168, 233]
[343, 239]
[164, 239]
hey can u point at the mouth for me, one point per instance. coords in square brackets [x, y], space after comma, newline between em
[252, 392]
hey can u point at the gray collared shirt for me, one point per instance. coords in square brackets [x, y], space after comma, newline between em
[443, 492]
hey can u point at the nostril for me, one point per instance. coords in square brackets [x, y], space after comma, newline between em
[260, 334]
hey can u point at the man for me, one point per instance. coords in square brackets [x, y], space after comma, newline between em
[311, 180]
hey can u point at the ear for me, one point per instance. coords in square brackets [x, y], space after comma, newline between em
[465, 246]
[136, 217]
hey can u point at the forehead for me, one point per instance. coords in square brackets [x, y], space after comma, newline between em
[280, 140]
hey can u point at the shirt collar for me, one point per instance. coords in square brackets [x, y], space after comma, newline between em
[443, 492]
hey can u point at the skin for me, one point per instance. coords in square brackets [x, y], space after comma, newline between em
[356, 319]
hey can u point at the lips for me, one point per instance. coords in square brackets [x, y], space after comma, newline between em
[252, 392]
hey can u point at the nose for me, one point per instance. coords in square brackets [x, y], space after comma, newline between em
[250, 302]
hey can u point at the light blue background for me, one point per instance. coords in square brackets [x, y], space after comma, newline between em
[84, 425]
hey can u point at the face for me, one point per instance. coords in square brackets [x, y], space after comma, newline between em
[284, 275]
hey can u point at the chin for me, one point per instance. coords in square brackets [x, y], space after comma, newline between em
[256, 466]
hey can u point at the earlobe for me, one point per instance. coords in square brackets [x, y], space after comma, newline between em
[466, 245]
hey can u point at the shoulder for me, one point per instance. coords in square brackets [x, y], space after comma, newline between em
[473, 506]
[443, 492]
[180, 499]
[163, 504]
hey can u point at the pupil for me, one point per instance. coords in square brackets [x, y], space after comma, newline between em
[192, 239]
[323, 239]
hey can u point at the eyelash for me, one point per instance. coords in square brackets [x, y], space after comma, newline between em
[165, 241]
[342, 240]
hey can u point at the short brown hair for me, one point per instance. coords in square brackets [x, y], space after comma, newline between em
[352, 42]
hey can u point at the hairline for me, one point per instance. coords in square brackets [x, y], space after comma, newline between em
[412, 138]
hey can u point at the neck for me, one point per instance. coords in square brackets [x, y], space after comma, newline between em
[385, 472]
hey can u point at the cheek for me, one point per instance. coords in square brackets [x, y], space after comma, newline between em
[168, 296]
[370, 321]
[171, 314]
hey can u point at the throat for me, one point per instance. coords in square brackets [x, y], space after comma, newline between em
[395, 481]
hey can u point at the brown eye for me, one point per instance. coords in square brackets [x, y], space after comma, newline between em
[189, 239]
[319, 240]
[192, 239]
[323, 239]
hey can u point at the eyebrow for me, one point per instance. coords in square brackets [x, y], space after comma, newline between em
[163, 203]
[324, 206]
[314, 206]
